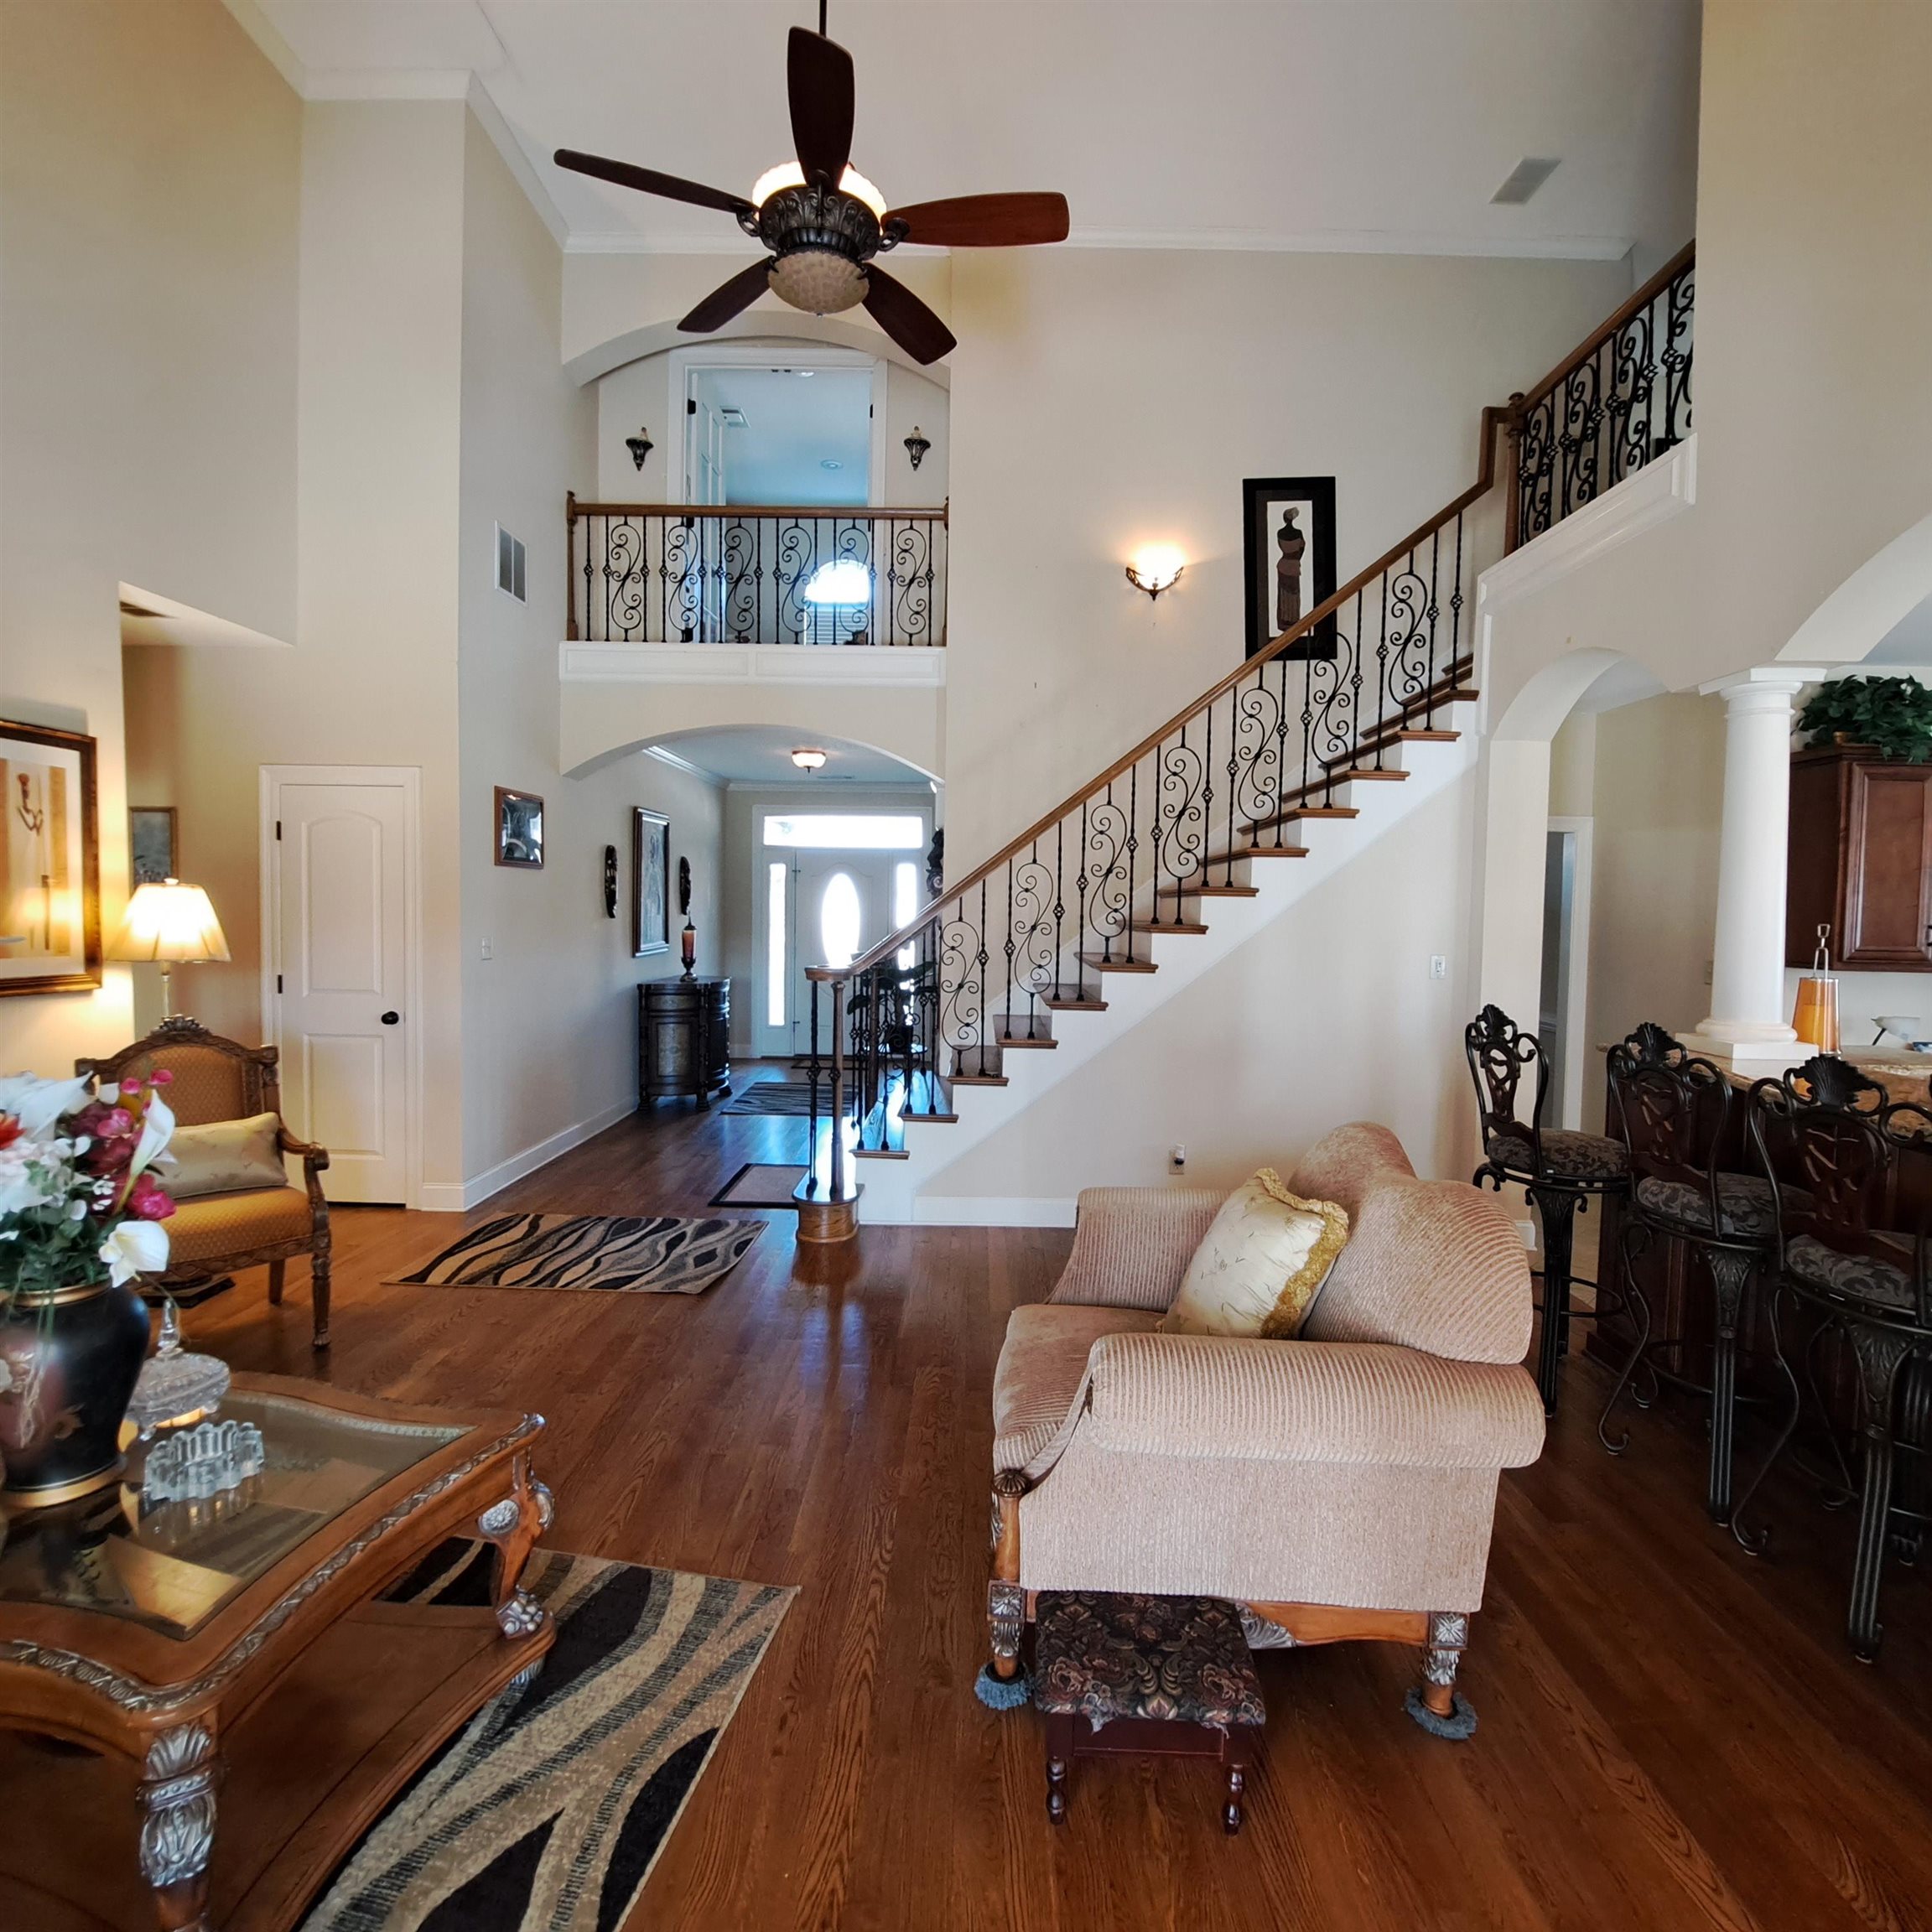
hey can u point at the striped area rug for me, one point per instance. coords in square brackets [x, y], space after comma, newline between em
[547, 1810]
[792, 1098]
[635, 1253]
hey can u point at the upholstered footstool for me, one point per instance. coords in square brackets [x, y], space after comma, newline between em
[1132, 1675]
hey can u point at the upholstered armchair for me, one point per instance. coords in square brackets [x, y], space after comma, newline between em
[1339, 1486]
[213, 1233]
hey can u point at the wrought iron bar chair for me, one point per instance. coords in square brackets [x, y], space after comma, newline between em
[1852, 1173]
[1560, 1168]
[1672, 1110]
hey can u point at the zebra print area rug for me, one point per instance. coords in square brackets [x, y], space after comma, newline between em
[792, 1098]
[634, 1253]
[547, 1812]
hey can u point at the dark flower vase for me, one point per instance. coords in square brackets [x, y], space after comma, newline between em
[68, 1361]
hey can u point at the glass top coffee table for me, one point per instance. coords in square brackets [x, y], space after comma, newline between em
[191, 1638]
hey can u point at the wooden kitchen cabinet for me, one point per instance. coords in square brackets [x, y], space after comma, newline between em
[1860, 860]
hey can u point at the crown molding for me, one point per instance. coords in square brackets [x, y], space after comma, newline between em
[684, 764]
[406, 84]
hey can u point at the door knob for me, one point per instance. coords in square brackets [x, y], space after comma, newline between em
[390, 1018]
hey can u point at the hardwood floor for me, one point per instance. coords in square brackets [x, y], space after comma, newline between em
[1672, 1733]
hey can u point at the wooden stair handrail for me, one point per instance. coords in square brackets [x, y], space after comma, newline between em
[1494, 419]
[745, 512]
[1588, 347]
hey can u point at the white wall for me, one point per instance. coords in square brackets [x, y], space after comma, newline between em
[149, 183]
[1328, 1016]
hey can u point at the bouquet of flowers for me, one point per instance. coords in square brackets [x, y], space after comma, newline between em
[79, 1201]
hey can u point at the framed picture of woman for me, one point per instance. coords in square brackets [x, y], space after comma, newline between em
[1288, 526]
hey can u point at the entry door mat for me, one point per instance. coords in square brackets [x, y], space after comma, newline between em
[547, 1810]
[790, 1098]
[625, 1254]
[759, 1184]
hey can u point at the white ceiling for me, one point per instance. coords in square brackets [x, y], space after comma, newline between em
[795, 423]
[1343, 124]
[761, 754]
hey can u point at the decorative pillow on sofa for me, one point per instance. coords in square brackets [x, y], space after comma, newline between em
[224, 1157]
[1260, 1264]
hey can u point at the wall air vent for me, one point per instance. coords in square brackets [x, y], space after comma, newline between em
[1525, 177]
[732, 419]
[509, 564]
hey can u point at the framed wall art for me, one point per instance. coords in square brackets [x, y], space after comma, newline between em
[50, 862]
[1288, 525]
[153, 854]
[651, 880]
[519, 828]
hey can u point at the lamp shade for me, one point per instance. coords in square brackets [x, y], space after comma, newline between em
[170, 922]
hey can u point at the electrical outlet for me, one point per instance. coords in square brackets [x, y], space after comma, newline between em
[1438, 966]
[1176, 1159]
[484, 948]
[1709, 968]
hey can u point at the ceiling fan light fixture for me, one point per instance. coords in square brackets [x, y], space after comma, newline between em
[818, 281]
[807, 758]
[790, 174]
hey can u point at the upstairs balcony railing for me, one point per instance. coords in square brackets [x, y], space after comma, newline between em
[765, 574]
[1618, 402]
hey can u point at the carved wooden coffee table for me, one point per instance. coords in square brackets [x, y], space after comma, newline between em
[231, 1653]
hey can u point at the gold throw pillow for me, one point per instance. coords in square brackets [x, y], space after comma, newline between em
[1260, 1264]
[224, 1157]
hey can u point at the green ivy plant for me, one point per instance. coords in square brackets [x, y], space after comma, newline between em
[1893, 713]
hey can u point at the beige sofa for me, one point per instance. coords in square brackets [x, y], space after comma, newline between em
[1342, 1486]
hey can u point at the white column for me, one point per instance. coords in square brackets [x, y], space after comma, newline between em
[1747, 1021]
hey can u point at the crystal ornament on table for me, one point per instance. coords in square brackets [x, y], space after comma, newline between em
[193, 1464]
[176, 1385]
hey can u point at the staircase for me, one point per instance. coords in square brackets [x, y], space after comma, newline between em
[1212, 827]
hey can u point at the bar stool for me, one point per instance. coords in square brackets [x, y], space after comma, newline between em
[1559, 1169]
[1672, 1110]
[1852, 1173]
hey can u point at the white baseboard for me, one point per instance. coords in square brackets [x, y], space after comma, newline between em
[447, 1197]
[991, 1211]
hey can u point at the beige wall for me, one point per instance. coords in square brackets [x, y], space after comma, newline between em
[1657, 802]
[371, 677]
[149, 185]
[549, 1021]
[1102, 399]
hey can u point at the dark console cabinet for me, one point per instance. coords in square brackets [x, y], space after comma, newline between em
[682, 1028]
[1861, 860]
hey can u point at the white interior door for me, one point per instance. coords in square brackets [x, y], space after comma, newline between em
[340, 875]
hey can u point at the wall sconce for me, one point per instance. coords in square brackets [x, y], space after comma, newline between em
[1156, 567]
[807, 758]
[917, 444]
[639, 446]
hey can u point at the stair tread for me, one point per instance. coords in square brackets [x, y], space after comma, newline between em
[1299, 812]
[1350, 774]
[1224, 892]
[1190, 928]
[1075, 1005]
[1104, 965]
[977, 1080]
[881, 1154]
[1020, 1040]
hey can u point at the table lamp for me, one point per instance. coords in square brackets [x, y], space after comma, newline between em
[171, 924]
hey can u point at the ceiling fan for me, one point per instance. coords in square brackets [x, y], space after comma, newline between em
[824, 223]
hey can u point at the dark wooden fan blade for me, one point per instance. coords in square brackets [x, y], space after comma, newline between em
[818, 79]
[650, 181]
[986, 221]
[721, 304]
[905, 318]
